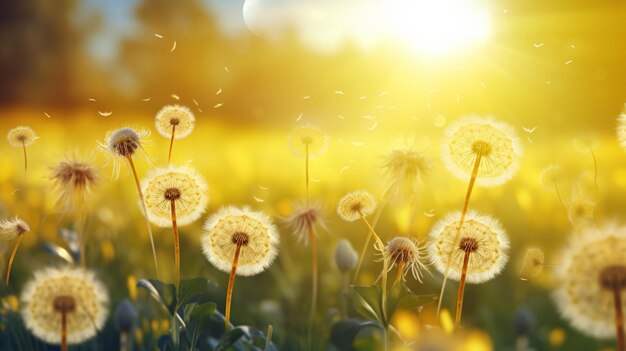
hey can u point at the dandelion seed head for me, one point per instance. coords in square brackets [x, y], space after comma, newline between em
[74, 291]
[313, 138]
[406, 254]
[590, 269]
[550, 175]
[481, 236]
[183, 185]
[74, 180]
[179, 118]
[346, 258]
[580, 208]
[305, 218]
[13, 227]
[404, 168]
[355, 204]
[253, 231]
[495, 142]
[122, 144]
[21, 136]
[532, 263]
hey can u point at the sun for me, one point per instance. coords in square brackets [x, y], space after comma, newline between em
[437, 27]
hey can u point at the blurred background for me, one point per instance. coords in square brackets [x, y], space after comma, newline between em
[370, 73]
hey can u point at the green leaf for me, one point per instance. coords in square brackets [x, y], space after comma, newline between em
[231, 337]
[343, 333]
[400, 296]
[192, 288]
[367, 301]
[164, 294]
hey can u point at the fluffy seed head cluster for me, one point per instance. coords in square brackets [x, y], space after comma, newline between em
[532, 264]
[495, 142]
[591, 268]
[580, 208]
[74, 180]
[621, 128]
[71, 290]
[346, 258]
[252, 231]
[11, 228]
[310, 138]
[550, 176]
[21, 136]
[305, 218]
[355, 204]
[179, 118]
[481, 236]
[406, 254]
[404, 168]
[179, 184]
[122, 144]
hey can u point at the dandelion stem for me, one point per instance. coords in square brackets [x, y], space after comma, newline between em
[379, 246]
[619, 319]
[343, 296]
[400, 269]
[459, 299]
[306, 170]
[25, 159]
[231, 283]
[63, 330]
[379, 212]
[81, 224]
[145, 211]
[558, 194]
[176, 243]
[169, 154]
[268, 338]
[468, 195]
[13, 253]
[314, 285]
[124, 338]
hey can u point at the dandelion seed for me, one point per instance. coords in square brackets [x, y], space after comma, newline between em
[529, 130]
[239, 241]
[175, 97]
[22, 136]
[529, 140]
[362, 97]
[258, 199]
[263, 187]
[341, 117]
[306, 97]
[404, 168]
[538, 45]
[195, 102]
[373, 126]
[304, 220]
[430, 213]
[92, 99]
[358, 143]
[9, 230]
[174, 196]
[299, 117]
[368, 117]
[173, 46]
[158, 35]
[592, 277]
[226, 69]
[568, 62]
[174, 122]
[476, 256]
[123, 144]
[218, 105]
[47, 115]
[343, 169]
[382, 93]
[532, 264]
[219, 91]
[105, 113]
[64, 305]
[339, 92]
[406, 255]
[146, 99]
[440, 121]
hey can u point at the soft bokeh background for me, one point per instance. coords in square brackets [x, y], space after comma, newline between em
[369, 73]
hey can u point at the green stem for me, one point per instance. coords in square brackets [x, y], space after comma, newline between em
[314, 284]
[379, 212]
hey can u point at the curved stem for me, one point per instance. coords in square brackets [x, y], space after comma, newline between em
[314, 283]
[10, 264]
[619, 320]
[145, 211]
[81, 224]
[468, 195]
[169, 154]
[558, 194]
[63, 331]
[268, 338]
[381, 246]
[379, 212]
[231, 284]
[385, 339]
[25, 160]
[459, 299]
[176, 244]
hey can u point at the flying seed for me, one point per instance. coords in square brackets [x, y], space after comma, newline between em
[173, 47]
[105, 113]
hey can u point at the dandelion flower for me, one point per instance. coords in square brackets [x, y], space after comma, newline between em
[74, 180]
[304, 220]
[478, 255]
[174, 196]
[407, 256]
[22, 136]
[355, 205]
[239, 241]
[621, 128]
[489, 149]
[532, 264]
[308, 141]
[404, 167]
[9, 230]
[64, 305]
[580, 208]
[592, 274]
[123, 144]
[174, 122]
